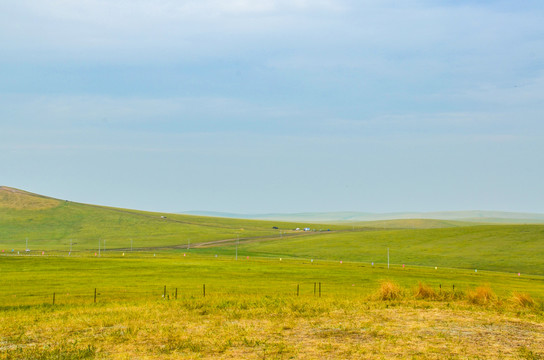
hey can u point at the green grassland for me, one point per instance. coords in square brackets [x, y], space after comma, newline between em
[251, 310]
[512, 248]
[33, 279]
[258, 297]
[51, 224]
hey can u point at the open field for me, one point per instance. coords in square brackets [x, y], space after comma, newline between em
[51, 225]
[514, 248]
[298, 295]
[33, 279]
[251, 310]
[252, 327]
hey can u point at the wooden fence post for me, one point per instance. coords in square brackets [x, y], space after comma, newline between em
[319, 289]
[53, 298]
[204, 290]
[95, 295]
[176, 293]
[298, 289]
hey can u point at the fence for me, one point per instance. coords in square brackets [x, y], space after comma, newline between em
[96, 295]
[116, 294]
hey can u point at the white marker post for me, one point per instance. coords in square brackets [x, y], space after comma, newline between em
[388, 258]
[98, 247]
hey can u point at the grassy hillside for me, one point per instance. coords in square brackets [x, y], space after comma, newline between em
[513, 248]
[50, 224]
[154, 303]
[16, 199]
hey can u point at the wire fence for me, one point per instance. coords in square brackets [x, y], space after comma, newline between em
[95, 295]
[132, 294]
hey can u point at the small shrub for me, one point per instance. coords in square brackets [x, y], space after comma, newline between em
[389, 291]
[523, 300]
[424, 292]
[482, 295]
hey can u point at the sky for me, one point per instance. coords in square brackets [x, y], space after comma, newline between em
[260, 106]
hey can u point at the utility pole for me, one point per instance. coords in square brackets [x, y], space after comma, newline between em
[237, 241]
[388, 258]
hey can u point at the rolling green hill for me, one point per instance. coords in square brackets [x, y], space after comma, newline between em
[512, 248]
[211, 303]
[50, 224]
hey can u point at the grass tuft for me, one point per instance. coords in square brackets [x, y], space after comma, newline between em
[390, 291]
[522, 300]
[424, 291]
[482, 295]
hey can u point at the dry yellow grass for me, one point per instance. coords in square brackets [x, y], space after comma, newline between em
[425, 292]
[389, 291]
[482, 295]
[21, 200]
[266, 327]
[523, 300]
[271, 328]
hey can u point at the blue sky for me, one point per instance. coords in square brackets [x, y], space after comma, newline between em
[275, 106]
